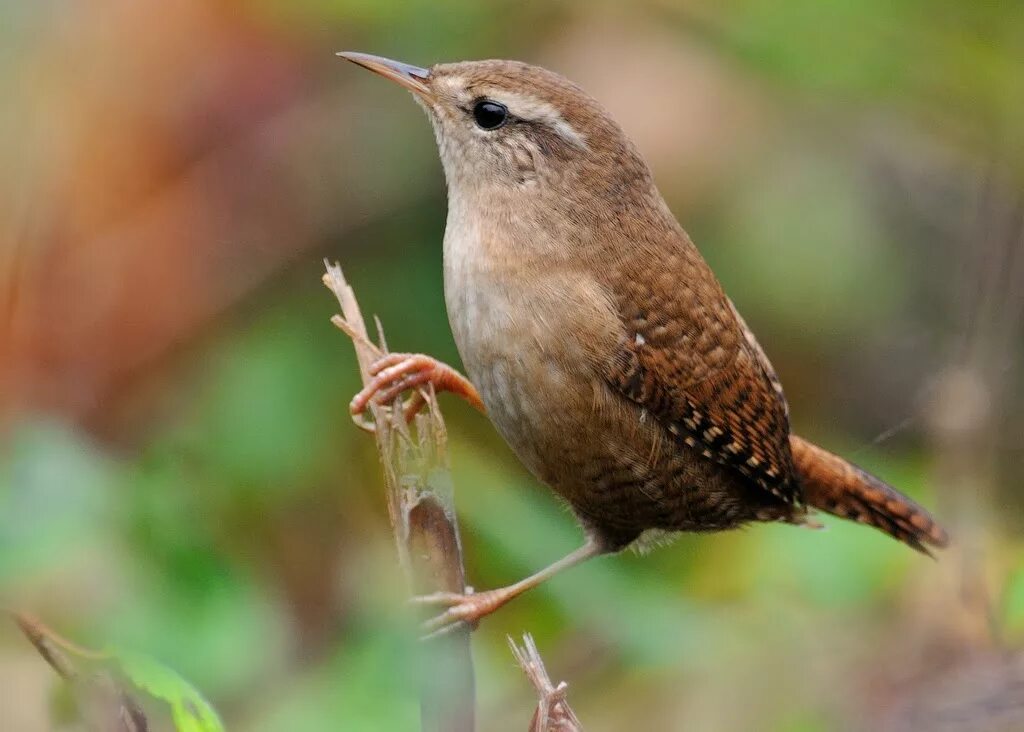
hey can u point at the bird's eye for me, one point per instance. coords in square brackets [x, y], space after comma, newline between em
[490, 115]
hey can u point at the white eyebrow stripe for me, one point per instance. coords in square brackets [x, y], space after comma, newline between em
[533, 109]
[452, 84]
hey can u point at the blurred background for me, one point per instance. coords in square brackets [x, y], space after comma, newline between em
[178, 470]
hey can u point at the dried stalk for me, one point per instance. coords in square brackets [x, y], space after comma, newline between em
[553, 713]
[422, 513]
[104, 705]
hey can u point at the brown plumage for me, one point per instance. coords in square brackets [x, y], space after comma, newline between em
[601, 343]
[838, 487]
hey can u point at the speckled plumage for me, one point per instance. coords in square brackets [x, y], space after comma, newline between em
[604, 348]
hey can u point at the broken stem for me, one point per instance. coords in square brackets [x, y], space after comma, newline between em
[422, 514]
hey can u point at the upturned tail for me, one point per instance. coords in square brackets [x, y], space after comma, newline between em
[840, 488]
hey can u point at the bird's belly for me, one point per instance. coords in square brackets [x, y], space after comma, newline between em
[620, 471]
[530, 370]
[526, 399]
[517, 378]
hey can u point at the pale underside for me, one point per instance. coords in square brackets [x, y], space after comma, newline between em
[536, 339]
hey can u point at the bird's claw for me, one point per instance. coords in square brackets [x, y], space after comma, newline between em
[464, 610]
[390, 376]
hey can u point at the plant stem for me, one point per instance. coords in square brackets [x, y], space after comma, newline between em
[422, 513]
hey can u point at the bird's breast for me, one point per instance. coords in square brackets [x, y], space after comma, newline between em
[531, 339]
[507, 344]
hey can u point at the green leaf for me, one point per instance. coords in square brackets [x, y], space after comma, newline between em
[1013, 603]
[190, 711]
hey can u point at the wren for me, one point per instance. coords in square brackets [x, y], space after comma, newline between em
[596, 337]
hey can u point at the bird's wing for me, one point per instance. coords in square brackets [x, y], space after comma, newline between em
[688, 359]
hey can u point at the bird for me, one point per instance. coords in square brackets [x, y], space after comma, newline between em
[598, 340]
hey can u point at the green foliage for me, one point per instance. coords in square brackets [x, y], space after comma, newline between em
[838, 45]
[1013, 604]
[800, 264]
[264, 414]
[803, 722]
[100, 687]
[190, 711]
[365, 685]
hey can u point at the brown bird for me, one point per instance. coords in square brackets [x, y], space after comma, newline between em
[600, 342]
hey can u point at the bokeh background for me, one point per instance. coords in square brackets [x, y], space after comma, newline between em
[178, 471]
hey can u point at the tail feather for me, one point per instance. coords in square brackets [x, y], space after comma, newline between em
[832, 484]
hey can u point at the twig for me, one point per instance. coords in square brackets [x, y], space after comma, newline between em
[422, 513]
[553, 713]
[104, 705]
[46, 644]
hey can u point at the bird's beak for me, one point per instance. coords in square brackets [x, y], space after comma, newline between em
[412, 78]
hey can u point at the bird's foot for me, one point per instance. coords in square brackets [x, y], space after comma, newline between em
[464, 609]
[398, 372]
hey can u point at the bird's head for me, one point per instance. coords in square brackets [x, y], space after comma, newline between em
[507, 125]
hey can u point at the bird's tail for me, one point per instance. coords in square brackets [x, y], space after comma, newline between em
[840, 488]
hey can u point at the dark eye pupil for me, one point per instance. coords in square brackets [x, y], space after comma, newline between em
[490, 115]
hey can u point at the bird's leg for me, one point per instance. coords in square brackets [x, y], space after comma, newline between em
[469, 607]
[397, 372]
